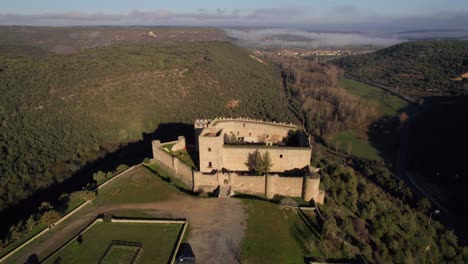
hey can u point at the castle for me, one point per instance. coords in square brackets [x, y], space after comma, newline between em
[225, 147]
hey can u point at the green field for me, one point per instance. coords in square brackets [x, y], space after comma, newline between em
[388, 105]
[356, 141]
[138, 186]
[276, 235]
[158, 242]
[352, 141]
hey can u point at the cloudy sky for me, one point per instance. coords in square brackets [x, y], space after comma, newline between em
[396, 15]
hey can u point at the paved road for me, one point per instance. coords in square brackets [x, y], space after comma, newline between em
[216, 226]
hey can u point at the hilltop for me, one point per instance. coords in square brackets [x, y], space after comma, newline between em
[421, 68]
[60, 112]
[65, 40]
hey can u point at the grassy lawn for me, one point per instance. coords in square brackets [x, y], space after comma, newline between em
[353, 141]
[276, 235]
[138, 186]
[120, 255]
[167, 177]
[158, 241]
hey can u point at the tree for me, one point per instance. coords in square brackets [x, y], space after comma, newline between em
[403, 117]
[266, 162]
[45, 206]
[424, 205]
[31, 223]
[99, 176]
[50, 217]
[258, 163]
[63, 202]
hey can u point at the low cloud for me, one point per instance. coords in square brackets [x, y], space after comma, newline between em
[303, 38]
[340, 17]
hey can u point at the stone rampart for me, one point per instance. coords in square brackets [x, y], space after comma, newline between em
[247, 183]
[173, 165]
[205, 182]
[268, 185]
[286, 186]
[183, 172]
[160, 156]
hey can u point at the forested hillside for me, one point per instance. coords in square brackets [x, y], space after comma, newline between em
[414, 68]
[66, 40]
[58, 112]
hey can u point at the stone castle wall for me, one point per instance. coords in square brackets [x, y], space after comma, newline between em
[173, 165]
[253, 130]
[268, 185]
[248, 183]
[286, 186]
[234, 157]
[215, 155]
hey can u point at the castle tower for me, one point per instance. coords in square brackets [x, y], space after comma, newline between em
[311, 189]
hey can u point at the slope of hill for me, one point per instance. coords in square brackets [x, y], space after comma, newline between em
[437, 142]
[414, 68]
[65, 40]
[58, 112]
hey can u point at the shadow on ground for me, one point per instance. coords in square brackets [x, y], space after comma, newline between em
[130, 154]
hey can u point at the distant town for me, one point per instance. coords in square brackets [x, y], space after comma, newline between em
[311, 52]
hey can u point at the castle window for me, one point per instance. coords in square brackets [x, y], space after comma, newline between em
[244, 124]
[268, 136]
[209, 149]
[210, 165]
[237, 132]
[250, 134]
[281, 156]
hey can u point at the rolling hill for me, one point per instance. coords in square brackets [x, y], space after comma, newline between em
[59, 112]
[421, 68]
[66, 40]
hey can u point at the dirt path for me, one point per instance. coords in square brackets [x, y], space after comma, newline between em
[216, 225]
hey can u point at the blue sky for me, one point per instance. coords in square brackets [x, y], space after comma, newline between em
[402, 14]
[395, 7]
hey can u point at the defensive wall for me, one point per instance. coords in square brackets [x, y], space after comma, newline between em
[307, 187]
[173, 165]
[234, 161]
